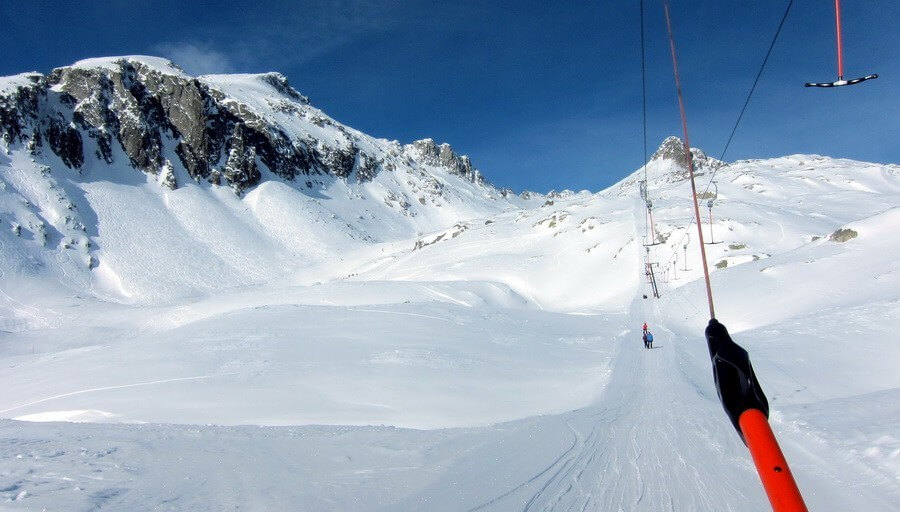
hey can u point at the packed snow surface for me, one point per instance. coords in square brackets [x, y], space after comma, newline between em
[325, 349]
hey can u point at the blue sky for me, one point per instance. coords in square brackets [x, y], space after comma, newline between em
[541, 95]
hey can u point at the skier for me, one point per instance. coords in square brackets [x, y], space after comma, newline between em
[644, 337]
[645, 327]
[649, 339]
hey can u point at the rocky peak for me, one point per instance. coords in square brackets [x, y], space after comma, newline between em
[427, 148]
[444, 156]
[669, 165]
[672, 150]
[145, 105]
[219, 127]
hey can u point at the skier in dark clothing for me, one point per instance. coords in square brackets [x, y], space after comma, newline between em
[645, 339]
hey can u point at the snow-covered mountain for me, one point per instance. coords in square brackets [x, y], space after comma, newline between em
[669, 165]
[219, 128]
[252, 306]
[225, 180]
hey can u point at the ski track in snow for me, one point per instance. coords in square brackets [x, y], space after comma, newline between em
[107, 388]
[401, 313]
[434, 293]
[651, 443]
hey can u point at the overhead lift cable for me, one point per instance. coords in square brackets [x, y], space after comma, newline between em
[644, 91]
[649, 232]
[736, 384]
[755, 82]
[689, 158]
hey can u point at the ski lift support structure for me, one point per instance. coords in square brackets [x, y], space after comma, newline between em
[709, 204]
[650, 236]
[652, 277]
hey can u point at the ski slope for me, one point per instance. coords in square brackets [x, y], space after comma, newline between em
[494, 363]
[653, 437]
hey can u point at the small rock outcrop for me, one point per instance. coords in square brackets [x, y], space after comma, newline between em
[843, 235]
[444, 156]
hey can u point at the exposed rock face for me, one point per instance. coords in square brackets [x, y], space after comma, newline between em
[444, 156]
[65, 141]
[673, 149]
[240, 168]
[19, 107]
[668, 165]
[843, 235]
[149, 108]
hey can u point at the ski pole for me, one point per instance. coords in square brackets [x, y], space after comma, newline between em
[747, 408]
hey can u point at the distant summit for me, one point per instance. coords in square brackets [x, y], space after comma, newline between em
[672, 150]
[669, 165]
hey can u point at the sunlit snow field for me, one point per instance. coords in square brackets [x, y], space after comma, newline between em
[256, 353]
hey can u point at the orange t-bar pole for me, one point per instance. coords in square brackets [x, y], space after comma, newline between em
[784, 495]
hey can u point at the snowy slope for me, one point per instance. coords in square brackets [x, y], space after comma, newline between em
[86, 174]
[345, 346]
